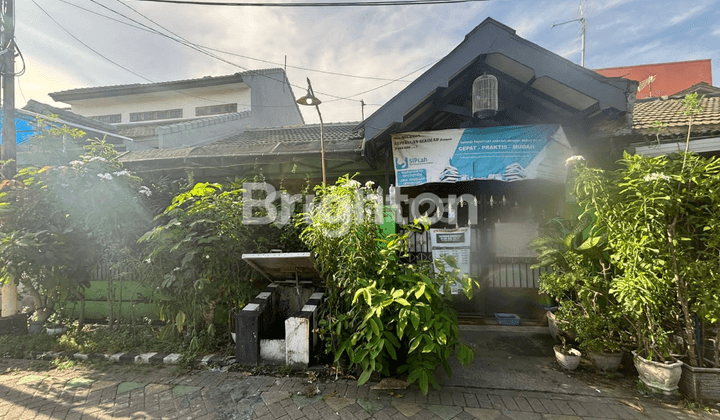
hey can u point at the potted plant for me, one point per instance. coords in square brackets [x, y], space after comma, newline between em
[601, 339]
[567, 356]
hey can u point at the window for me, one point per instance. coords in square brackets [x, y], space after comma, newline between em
[156, 115]
[215, 109]
[110, 119]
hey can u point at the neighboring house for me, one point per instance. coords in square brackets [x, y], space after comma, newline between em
[664, 79]
[432, 140]
[289, 155]
[36, 149]
[705, 134]
[189, 112]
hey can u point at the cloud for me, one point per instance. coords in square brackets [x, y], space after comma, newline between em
[682, 17]
[386, 42]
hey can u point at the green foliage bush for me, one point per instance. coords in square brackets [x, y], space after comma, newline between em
[60, 222]
[194, 257]
[381, 313]
[661, 216]
[579, 281]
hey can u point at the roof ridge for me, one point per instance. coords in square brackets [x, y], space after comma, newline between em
[58, 96]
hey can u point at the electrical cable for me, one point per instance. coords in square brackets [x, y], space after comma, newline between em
[144, 28]
[89, 47]
[24, 67]
[314, 4]
[200, 48]
[382, 86]
[125, 68]
[196, 48]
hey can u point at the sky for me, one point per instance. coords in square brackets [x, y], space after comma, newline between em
[68, 44]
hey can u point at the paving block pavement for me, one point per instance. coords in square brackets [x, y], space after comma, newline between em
[34, 390]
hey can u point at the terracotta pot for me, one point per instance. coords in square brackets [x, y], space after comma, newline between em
[569, 359]
[608, 362]
[663, 377]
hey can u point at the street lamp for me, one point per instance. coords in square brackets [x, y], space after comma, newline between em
[311, 100]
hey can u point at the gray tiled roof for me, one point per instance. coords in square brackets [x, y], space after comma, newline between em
[139, 130]
[334, 132]
[79, 93]
[296, 140]
[69, 116]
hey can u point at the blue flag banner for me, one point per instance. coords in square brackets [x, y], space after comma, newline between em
[24, 128]
[510, 153]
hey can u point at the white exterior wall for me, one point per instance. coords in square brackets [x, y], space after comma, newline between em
[187, 99]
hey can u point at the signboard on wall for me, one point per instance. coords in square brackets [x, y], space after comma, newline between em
[509, 153]
[454, 243]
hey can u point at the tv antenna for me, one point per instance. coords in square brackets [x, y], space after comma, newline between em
[583, 27]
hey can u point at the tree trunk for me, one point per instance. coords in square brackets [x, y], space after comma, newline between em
[681, 292]
[81, 320]
[717, 345]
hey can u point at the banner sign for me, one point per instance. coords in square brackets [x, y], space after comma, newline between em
[509, 153]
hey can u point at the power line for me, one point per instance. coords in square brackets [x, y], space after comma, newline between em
[195, 47]
[115, 63]
[382, 86]
[314, 4]
[200, 49]
[89, 47]
[152, 31]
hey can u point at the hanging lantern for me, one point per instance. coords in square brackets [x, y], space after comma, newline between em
[485, 96]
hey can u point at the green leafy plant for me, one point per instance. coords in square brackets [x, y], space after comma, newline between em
[661, 219]
[60, 222]
[382, 314]
[194, 258]
[580, 282]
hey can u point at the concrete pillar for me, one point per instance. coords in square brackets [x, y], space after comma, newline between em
[250, 324]
[297, 340]
[9, 299]
[300, 341]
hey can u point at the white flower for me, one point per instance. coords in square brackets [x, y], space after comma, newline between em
[656, 176]
[369, 184]
[145, 190]
[105, 176]
[354, 184]
[572, 159]
[122, 173]
[76, 163]
[98, 159]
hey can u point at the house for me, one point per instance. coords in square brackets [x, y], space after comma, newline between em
[495, 98]
[664, 79]
[35, 151]
[290, 155]
[647, 140]
[199, 110]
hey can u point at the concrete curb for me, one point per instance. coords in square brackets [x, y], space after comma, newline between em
[134, 358]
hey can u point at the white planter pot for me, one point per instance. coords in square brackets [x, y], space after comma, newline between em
[663, 377]
[567, 360]
[608, 362]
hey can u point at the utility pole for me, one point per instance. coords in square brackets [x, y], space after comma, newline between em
[8, 150]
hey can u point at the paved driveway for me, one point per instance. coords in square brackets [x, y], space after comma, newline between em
[512, 377]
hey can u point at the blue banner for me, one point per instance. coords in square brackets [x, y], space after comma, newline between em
[509, 153]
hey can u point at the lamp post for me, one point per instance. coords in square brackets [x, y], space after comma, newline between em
[311, 100]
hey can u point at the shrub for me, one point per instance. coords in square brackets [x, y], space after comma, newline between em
[383, 314]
